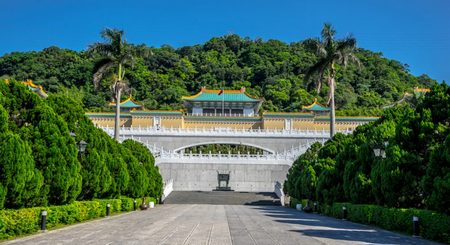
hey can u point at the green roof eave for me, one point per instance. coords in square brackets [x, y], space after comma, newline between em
[32, 89]
[211, 118]
[178, 113]
[130, 104]
[347, 119]
[93, 114]
[317, 107]
[289, 115]
[232, 97]
[419, 94]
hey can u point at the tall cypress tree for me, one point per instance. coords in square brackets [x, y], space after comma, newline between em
[120, 174]
[19, 180]
[96, 176]
[146, 159]
[56, 156]
[139, 180]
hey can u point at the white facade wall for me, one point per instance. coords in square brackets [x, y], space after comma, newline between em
[243, 177]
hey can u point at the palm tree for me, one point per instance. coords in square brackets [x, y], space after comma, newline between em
[114, 54]
[331, 52]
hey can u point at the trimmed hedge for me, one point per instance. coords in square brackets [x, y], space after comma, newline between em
[433, 226]
[24, 221]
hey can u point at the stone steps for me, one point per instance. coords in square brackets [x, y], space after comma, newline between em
[222, 198]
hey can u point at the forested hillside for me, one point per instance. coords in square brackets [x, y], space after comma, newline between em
[270, 69]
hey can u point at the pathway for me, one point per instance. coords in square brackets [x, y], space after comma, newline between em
[218, 224]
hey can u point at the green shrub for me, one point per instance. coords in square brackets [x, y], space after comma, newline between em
[295, 201]
[127, 203]
[433, 226]
[151, 199]
[19, 222]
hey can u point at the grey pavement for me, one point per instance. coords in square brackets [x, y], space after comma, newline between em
[218, 224]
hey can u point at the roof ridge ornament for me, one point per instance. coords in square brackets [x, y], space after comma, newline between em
[316, 107]
[34, 87]
[235, 95]
[128, 103]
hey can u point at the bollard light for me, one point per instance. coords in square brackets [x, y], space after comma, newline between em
[344, 213]
[108, 209]
[416, 228]
[134, 205]
[43, 220]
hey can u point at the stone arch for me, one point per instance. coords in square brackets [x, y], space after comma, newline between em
[225, 143]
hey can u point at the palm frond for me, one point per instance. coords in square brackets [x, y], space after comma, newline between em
[351, 58]
[115, 51]
[117, 86]
[310, 44]
[327, 34]
[102, 49]
[319, 69]
[321, 49]
[103, 68]
[112, 35]
[347, 43]
[343, 52]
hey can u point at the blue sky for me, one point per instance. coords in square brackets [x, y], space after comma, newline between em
[415, 32]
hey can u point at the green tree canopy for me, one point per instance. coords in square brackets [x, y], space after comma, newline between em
[414, 171]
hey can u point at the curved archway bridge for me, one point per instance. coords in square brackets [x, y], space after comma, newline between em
[248, 172]
[164, 142]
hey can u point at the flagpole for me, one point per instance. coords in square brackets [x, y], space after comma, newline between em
[223, 98]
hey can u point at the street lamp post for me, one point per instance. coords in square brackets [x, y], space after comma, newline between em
[82, 146]
[380, 151]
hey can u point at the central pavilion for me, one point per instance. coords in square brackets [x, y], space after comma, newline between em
[222, 102]
[225, 109]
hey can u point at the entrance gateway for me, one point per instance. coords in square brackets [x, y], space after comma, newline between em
[273, 140]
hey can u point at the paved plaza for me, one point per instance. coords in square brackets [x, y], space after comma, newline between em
[218, 224]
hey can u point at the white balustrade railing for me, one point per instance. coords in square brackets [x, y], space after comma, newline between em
[142, 131]
[167, 189]
[160, 153]
[279, 192]
[283, 158]
[222, 115]
[163, 155]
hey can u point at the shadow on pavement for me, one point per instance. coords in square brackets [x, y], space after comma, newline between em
[264, 203]
[367, 236]
[223, 198]
[315, 225]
